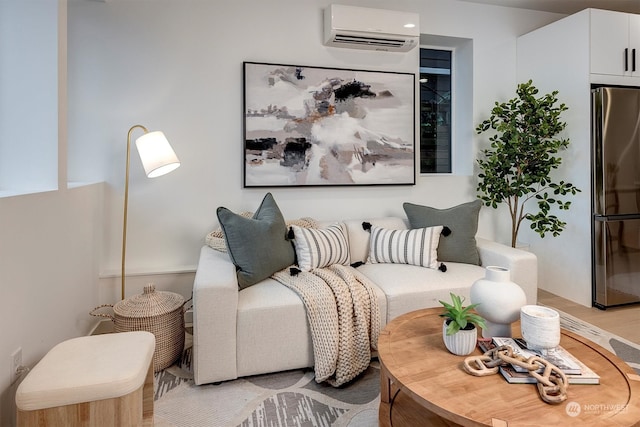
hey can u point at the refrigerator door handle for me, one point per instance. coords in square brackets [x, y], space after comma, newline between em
[633, 60]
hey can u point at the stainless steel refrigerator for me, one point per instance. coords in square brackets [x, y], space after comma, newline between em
[616, 196]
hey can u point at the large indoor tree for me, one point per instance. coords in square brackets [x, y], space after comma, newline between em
[523, 153]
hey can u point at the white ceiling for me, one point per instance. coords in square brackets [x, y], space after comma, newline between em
[566, 6]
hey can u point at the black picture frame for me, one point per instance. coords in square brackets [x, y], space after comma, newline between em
[321, 126]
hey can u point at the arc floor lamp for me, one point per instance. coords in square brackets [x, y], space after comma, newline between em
[158, 158]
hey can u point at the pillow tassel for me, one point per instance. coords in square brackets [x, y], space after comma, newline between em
[446, 231]
[291, 235]
[442, 267]
[294, 271]
[366, 226]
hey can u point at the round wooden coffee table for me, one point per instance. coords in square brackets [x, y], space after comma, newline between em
[421, 383]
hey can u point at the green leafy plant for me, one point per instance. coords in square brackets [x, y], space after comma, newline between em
[461, 317]
[517, 167]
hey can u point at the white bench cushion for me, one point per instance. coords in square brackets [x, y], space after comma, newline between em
[87, 369]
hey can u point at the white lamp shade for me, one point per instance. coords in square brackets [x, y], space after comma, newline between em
[156, 154]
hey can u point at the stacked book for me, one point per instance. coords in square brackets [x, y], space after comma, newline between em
[575, 371]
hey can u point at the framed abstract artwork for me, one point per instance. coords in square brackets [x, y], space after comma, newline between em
[318, 126]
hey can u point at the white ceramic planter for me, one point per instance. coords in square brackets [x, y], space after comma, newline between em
[499, 301]
[462, 342]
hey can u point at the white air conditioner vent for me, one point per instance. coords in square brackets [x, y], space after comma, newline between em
[373, 29]
[370, 41]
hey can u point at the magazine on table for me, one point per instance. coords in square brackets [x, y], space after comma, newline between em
[560, 357]
[587, 376]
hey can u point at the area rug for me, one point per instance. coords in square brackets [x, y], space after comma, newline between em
[293, 398]
[624, 349]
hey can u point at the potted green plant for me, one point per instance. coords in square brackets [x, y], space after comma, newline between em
[459, 327]
[517, 167]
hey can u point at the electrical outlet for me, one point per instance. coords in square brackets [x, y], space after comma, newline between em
[16, 362]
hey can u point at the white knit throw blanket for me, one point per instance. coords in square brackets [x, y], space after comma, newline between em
[344, 317]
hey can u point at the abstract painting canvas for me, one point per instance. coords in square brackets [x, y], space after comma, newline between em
[317, 126]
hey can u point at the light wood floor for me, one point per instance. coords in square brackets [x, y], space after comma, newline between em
[622, 321]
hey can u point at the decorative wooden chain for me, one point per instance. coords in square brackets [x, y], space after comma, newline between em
[552, 382]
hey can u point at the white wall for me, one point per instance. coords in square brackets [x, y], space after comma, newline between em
[177, 66]
[565, 261]
[48, 274]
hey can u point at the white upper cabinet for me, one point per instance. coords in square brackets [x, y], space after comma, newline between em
[634, 43]
[615, 43]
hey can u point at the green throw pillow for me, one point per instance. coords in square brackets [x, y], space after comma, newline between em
[462, 220]
[258, 246]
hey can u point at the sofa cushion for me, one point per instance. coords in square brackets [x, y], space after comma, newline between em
[273, 333]
[320, 247]
[257, 246]
[462, 220]
[418, 246]
[272, 330]
[409, 287]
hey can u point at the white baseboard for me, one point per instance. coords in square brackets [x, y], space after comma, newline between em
[102, 327]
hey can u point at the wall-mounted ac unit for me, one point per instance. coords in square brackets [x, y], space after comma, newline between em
[372, 29]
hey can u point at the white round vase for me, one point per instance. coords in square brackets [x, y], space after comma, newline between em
[499, 301]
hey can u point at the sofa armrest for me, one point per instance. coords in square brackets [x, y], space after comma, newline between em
[215, 306]
[523, 265]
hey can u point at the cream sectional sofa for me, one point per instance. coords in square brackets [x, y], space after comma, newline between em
[263, 328]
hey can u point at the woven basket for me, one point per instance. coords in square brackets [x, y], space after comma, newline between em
[161, 313]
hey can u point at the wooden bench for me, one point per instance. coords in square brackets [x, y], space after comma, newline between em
[101, 380]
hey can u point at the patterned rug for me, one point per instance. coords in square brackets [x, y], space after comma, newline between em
[293, 398]
[624, 349]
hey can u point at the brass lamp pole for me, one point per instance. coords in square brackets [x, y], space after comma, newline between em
[158, 158]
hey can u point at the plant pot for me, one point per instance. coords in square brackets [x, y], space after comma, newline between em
[462, 342]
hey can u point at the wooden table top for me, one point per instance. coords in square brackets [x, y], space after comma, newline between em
[413, 357]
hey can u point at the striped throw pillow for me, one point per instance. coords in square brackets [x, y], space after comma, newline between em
[320, 247]
[417, 246]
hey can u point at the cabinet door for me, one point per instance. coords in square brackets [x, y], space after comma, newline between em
[610, 43]
[634, 44]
